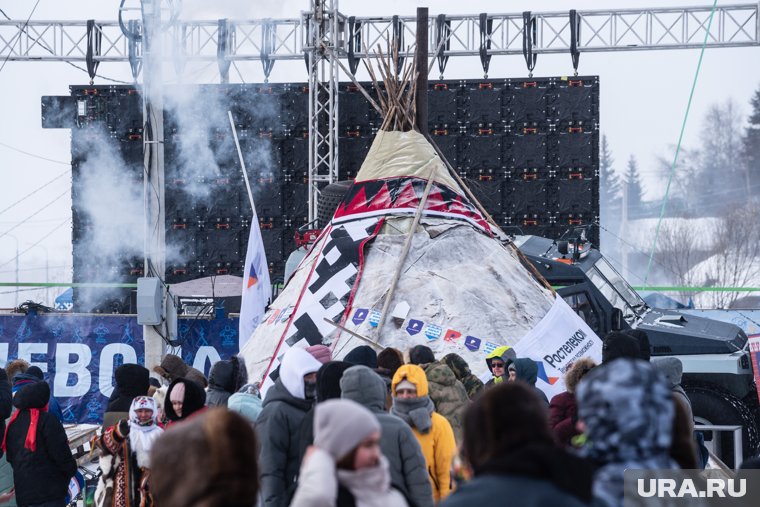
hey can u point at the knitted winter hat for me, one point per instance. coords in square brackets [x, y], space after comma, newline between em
[178, 393]
[320, 352]
[405, 384]
[341, 425]
[364, 355]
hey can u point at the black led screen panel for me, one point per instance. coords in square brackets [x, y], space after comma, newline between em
[528, 148]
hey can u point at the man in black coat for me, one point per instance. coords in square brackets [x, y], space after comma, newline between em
[131, 380]
[41, 460]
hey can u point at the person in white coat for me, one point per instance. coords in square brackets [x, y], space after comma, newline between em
[345, 465]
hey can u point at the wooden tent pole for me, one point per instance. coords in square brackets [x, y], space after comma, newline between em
[407, 246]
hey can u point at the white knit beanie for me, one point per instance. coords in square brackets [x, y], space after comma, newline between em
[341, 425]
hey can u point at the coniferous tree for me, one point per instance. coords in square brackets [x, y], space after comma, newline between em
[609, 183]
[634, 188]
[751, 148]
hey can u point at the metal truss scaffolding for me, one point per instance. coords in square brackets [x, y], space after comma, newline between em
[323, 35]
[600, 30]
[322, 24]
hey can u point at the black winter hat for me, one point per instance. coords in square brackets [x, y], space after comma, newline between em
[132, 380]
[363, 355]
[645, 351]
[617, 345]
[35, 371]
[328, 379]
[421, 354]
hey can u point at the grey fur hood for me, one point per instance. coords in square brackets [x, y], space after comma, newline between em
[671, 367]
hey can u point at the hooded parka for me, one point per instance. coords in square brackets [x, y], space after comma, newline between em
[432, 430]
[527, 371]
[224, 379]
[628, 411]
[42, 466]
[472, 384]
[131, 380]
[506, 354]
[279, 424]
[397, 441]
[194, 400]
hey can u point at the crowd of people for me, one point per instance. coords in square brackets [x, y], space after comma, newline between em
[374, 429]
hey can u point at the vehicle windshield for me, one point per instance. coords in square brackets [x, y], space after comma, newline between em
[615, 288]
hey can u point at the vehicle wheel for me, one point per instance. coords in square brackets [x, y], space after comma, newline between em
[714, 405]
[329, 199]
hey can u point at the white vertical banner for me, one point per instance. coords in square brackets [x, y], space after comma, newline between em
[257, 289]
[559, 339]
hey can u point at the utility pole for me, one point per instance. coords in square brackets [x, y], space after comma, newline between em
[153, 187]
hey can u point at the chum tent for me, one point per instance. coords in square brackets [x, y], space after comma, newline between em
[459, 285]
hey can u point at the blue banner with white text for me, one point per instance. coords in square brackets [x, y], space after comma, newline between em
[79, 354]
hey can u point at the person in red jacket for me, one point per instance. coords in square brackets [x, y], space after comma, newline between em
[563, 409]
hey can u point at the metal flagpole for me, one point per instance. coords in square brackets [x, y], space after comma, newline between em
[242, 162]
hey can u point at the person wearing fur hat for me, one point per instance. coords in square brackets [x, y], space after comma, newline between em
[173, 367]
[210, 461]
[397, 441]
[515, 461]
[563, 409]
[126, 460]
[627, 410]
[37, 448]
[345, 465]
[279, 424]
[15, 367]
[183, 399]
[413, 405]
[131, 380]
[224, 379]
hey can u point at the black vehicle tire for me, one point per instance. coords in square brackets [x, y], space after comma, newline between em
[714, 405]
[329, 199]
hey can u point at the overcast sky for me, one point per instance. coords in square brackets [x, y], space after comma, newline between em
[643, 100]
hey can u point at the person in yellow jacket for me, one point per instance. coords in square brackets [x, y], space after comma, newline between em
[411, 403]
[498, 361]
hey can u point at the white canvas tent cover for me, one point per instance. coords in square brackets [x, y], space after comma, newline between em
[466, 291]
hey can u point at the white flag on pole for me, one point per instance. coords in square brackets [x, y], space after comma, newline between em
[257, 288]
